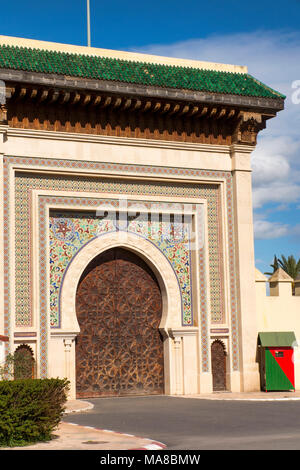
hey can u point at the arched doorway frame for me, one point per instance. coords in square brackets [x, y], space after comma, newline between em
[156, 260]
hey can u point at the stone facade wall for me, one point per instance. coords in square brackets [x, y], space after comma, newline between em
[47, 175]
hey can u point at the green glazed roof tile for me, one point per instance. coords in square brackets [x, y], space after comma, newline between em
[105, 68]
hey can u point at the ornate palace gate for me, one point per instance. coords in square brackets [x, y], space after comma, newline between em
[119, 350]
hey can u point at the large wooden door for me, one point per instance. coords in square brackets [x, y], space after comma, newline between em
[218, 360]
[119, 350]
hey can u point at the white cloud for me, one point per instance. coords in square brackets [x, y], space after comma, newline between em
[275, 174]
[263, 229]
[273, 58]
[267, 167]
[275, 193]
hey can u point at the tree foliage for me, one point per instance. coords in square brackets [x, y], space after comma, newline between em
[290, 265]
[275, 266]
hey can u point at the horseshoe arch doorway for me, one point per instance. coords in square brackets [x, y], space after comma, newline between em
[119, 350]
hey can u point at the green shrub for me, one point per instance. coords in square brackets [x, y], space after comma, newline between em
[30, 409]
[20, 365]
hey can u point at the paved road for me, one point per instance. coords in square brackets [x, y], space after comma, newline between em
[197, 424]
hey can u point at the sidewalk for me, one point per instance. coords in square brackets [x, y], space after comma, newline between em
[70, 436]
[248, 396]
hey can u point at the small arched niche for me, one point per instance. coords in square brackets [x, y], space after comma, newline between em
[218, 365]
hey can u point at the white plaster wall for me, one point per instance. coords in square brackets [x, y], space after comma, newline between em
[280, 313]
[247, 378]
[62, 145]
[62, 363]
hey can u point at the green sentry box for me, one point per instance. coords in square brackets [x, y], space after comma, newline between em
[277, 361]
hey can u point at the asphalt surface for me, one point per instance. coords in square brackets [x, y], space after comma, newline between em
[199, 424]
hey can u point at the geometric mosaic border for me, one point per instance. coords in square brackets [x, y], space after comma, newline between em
[141, 170]
[26, 182]
[64, 250]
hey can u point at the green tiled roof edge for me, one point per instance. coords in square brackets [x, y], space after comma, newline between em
[280, 95]
[277, 338]
[106, 68]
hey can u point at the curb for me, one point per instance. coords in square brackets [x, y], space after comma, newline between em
[260, 399]
[153, 445]
[246, 399]
[89, 406]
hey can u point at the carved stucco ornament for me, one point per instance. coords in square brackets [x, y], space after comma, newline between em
[248, 126]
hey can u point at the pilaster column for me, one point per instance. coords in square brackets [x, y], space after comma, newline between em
[178, 366]
[245, 279]
[186, 361]
[69, 352]
[3, 327]
[67, 346]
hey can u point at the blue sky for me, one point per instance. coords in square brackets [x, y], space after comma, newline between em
[265, 35]
[118, 24]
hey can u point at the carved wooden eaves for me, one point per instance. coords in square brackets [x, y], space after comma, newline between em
[114, 101]
[242, 124]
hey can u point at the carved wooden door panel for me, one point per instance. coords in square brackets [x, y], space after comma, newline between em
[119, 350]
[218, 359]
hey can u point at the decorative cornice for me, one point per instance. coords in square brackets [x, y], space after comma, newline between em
[184, 331]
[103, 139]
[240, 149]
[219, 331]
[65, 334]
[96, 107]
[19, 334]
[137, 90]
